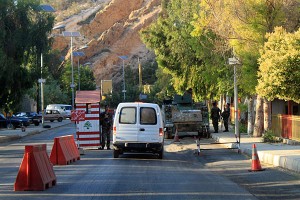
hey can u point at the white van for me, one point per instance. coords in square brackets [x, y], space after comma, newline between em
[68, 109]
[62, 108]
[138, 127]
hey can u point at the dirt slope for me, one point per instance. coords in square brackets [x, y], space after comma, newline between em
[109, 32]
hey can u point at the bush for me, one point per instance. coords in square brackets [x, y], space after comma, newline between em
[242, 128]
[269, 137]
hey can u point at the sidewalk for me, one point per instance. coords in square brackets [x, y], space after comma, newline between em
[277, 154]
[7, 135]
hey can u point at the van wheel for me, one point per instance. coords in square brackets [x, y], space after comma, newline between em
[36, 123]
[116, 153]
[59, 119]
[51, 120]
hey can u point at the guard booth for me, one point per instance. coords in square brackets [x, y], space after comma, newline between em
[87, 118]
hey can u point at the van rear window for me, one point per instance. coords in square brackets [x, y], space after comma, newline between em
[128, 115]
[148, 116]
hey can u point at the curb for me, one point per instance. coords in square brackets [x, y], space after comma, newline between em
[9, 138]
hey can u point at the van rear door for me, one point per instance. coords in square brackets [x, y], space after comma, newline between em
[148, 130]
[128, 128]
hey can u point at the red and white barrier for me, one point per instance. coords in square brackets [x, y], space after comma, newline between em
[36, 171]
[64, 150]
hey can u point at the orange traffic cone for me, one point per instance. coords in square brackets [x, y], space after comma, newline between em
[176, 137]
[255, 160]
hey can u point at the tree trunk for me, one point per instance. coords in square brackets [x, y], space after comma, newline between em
[259, 118]
[267, 115]
[250, 116]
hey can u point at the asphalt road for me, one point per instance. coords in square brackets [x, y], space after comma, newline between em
[97, 175]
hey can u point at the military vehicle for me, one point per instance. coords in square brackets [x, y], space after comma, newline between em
[185, 116]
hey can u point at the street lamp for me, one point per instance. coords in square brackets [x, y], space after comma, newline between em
[78, 54]
[123, 58]
[71, 35]
[233, 61]
[44, 8]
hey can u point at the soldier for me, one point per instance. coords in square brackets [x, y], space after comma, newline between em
[215, 116]
[106, 122]
[225, 115]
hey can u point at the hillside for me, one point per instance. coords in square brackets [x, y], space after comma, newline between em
[110, 29]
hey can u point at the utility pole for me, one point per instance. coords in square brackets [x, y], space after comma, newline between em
[140, 74]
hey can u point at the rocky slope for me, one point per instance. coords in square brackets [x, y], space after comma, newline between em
[109, 30]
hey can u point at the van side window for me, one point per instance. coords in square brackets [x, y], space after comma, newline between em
[127, 115]
[148, 116]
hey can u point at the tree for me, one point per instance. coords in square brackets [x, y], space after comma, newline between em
[279, 66]
[87, 79]
[52, 93]
[191, 61]
[243, 24]
[23, 36]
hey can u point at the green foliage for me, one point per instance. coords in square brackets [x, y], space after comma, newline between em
[269, 137]
[243, 25]
[87, 79]
[52, 93]
[149, 76]
[243, 107]
[23, 35]
[242, 128]
[279, 70]
[190, 61]
[163, 87]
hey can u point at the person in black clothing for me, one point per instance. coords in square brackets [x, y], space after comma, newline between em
[106, 122]
[215, 116]
[225, 115]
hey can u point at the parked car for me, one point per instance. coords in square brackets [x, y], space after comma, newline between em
[33, 117]
[25, 120]
[51, 115]
[13, 122]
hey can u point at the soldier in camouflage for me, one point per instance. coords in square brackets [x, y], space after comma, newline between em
[106, 122]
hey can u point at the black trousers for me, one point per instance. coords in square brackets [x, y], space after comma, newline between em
[105, 137]
[215, 122]
[225, 123]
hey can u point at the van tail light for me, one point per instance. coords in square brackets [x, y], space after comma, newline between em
[114, 130]
[161, 131]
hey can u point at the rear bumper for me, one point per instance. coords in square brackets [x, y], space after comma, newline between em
[138, 147]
